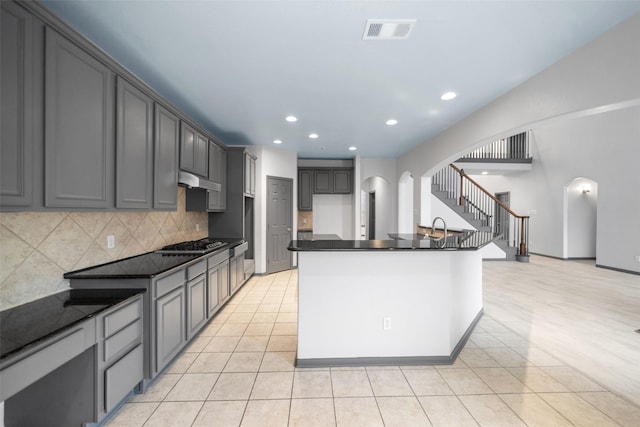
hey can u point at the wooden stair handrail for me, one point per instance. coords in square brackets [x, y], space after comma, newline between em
[481, 188]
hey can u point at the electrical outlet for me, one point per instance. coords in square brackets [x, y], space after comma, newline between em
[197, 227]
[111, 242]
[386, 323]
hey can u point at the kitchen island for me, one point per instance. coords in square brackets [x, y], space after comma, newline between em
[410, 300]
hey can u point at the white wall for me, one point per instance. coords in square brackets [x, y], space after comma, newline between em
[604, 148]
[581, 214]
[379, 175]
[271, 162]
[588, 101]
[406, 212]
[333, 214]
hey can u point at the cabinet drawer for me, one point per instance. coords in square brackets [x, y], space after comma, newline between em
[125, 338]
[216, 259]
[169, 283]
[239, 249]
[122, 377]
[196, 269]
[115, 321]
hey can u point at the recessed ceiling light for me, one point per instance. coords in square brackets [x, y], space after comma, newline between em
[313, 135]
[448, 96]
[392, 122]
[277, 141]
[352, 148]
[291, 119]
[485, 173]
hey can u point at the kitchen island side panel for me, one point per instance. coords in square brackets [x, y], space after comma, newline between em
[344, 297]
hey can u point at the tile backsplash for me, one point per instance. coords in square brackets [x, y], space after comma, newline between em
[37, 248]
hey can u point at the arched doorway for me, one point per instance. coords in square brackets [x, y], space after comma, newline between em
[405, 203]
[580, 218]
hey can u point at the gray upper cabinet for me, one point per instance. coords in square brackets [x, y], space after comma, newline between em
[134, 147]
[166, 136]
[16, 121]
[217, 200]
[79, 123]
[305, 190]
[249, 174]
[194, 149]
[342, 181]
[322, 181]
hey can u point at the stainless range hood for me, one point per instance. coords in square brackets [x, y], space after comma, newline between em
[193, 181]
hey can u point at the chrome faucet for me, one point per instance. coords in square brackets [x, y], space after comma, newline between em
[433, 227]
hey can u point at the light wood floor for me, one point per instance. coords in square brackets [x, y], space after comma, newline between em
[583, 315]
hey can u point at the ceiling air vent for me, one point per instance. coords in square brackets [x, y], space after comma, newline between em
[388, 29]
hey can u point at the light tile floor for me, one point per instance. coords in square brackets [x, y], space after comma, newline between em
[239, 370]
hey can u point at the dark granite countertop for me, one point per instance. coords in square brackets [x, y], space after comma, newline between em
[26, 325]
[143, 266]
[464, 241]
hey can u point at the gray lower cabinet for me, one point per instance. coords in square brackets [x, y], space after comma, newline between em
[165, 168]
[120, 355]
[236, 268]
[134, 147]
[19, 82]
[196, 297]
[217, 282]
[79, 376]
[79, 124]
[171, 329]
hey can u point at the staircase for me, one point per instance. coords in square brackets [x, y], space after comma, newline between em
[483, 211]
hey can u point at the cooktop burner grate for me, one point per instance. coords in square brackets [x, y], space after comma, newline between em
[194, 246]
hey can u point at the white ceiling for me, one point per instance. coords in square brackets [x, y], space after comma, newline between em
[239, 67]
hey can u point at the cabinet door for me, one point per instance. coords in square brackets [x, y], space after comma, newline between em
[187, 148]
[233, 275]
[252, 176]
[197, 304]
[201, 153]
[134, 147]
[16, 120]
[170, 326]
[247, 174]
[222, 204]
[342, 181]
[322, 181]
[165, 181]
[79, 115]
[213, 290]
[216, 200]
[223, 281]
[305, 195]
